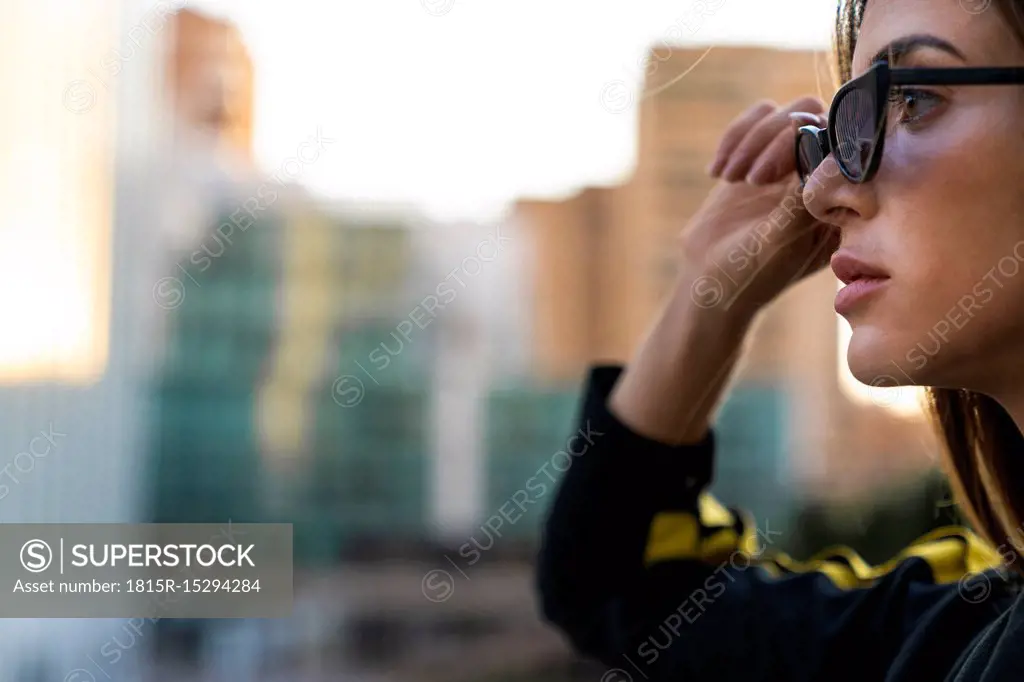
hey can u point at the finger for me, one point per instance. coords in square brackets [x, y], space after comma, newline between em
[779, 158]
[761, 135]
[803, 118]
[736, 131]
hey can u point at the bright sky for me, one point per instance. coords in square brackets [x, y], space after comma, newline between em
[460, 106]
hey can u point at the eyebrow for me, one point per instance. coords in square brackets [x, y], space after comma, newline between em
[901, 47]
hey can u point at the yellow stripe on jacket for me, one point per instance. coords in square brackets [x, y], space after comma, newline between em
[716, 533]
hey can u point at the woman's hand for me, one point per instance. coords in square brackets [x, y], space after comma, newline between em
[752, 237]
[749, 240]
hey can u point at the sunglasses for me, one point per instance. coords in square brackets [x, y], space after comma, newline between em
[857, 118]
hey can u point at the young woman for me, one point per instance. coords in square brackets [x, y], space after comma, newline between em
[910, 185]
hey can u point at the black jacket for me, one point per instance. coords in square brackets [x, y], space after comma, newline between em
[642, 569]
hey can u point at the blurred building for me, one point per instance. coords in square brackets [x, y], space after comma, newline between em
[345, 404]
[209, 79]
[79, 286]
[306, 297]
[607, 256]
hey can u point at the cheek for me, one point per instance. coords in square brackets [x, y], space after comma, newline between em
[951, 231]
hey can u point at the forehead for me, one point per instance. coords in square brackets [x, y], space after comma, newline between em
[975, 27]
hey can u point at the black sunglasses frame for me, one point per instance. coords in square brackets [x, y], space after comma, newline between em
[818, 137]
[876, 82]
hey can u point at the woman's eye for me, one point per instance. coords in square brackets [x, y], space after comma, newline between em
[909, 105]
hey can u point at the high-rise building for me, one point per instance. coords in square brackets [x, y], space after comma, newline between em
[74, 273]
[606, 257]
[210, 80]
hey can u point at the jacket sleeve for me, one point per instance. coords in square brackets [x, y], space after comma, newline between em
[644, 570]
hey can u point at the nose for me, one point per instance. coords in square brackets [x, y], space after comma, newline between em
[833, 199]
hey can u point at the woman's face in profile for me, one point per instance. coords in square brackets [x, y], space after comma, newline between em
[942, 222]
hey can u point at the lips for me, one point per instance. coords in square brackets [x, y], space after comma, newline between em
[861, 280]
[849, 268]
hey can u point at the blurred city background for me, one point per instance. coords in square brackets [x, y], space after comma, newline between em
[344, 265]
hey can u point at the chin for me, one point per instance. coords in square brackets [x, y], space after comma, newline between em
[871, 357]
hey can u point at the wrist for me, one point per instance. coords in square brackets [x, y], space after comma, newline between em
[669, 389]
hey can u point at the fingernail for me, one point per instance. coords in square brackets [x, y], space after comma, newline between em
[805, 117]
[712, 168]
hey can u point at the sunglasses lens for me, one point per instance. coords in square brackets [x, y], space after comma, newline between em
[809, 154]
[856, 129]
